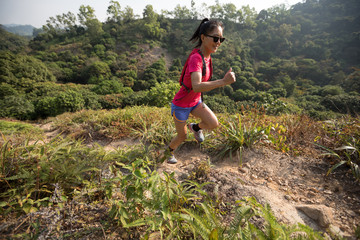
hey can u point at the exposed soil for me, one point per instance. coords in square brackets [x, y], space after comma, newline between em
[296, 188]
[151, 55]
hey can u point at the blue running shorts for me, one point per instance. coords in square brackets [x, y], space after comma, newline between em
[182, 114]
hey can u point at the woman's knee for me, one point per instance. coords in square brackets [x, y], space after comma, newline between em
[210, 124]
[214, 124]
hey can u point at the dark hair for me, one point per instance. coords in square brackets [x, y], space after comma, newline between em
[206, 26]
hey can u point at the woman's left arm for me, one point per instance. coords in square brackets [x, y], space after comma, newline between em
[199, 86]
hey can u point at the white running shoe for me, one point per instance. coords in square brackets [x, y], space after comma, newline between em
[199, 136]
[172, 159]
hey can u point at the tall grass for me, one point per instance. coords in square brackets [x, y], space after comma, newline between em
[233, 136]
[16, 131]
[294, 134]
[341, 142]
[154, 125]
[30, 171]
[42, 174]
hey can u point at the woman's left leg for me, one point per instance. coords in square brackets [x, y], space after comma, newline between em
[209, 120]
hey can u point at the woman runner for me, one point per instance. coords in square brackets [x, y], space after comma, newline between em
[195, 80]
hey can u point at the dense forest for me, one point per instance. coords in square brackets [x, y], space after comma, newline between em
[305, 59]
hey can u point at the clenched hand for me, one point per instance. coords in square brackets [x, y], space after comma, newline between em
[229, 77]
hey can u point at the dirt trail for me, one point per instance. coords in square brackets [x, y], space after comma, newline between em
[295, 187]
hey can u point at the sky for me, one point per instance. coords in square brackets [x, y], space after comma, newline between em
[36, 12]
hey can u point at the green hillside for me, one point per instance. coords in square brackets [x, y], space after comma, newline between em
[299, 60]
[22, 30]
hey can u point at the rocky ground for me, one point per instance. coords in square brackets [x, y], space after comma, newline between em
[296, 188]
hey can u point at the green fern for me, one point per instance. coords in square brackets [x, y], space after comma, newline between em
[234, 135]
[239, 226]
[206, 224]
[275, 230]
[197, 223]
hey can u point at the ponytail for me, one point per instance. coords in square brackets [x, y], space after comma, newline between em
[205, 27]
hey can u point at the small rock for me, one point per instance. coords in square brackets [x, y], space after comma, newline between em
[311, 194]
[281, 183]
[246, 165]
[184, 176]
[335, 230]
[351, 213]
[331, 204]
[320, 213]
[344, 218]
[288, 197]
[244, 170]
[212, 179]
[343, 228]
[189, 167]
[328, 192]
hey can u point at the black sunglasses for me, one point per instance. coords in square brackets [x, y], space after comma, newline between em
[216, 39]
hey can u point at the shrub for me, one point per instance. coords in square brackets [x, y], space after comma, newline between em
[111, 101]
[243, 95]
[99, 50]
[271, 105]
[65, 101]
[91, 99]
[108, 87]
[47, 106]
[162, 93]
[221, 104]
[136, 98]
[6, 90]
[278, 92]
[22, 72]
[16, 106]
[246, 86]
[97, 72]
[344, 103]
[70, 101]
[331, 90]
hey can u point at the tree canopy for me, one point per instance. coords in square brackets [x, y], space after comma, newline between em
[308, 53]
